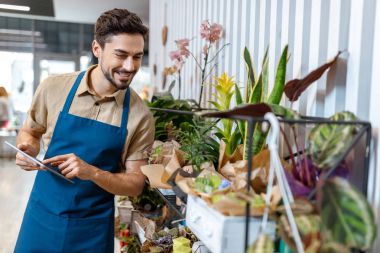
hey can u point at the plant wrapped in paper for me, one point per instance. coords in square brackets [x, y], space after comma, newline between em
[174, 161]
[205, 184]
[236, 171]
[197, 144]
[234, 202]
[161, 152]
[170, 240]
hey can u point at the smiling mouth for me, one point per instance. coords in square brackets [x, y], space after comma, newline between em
[124, 75]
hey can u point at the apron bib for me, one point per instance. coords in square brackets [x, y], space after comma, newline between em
[65, 217]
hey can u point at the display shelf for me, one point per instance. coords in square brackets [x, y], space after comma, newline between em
[248, 114]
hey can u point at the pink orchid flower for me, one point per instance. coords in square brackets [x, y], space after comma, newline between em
[182, 43]
[175, 55]
[205, 29]
[212, 32]
[216, 31]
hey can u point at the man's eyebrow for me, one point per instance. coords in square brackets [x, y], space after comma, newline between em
[125, 52]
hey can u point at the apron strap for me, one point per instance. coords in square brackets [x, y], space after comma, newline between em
[70, 97]
[124, 119]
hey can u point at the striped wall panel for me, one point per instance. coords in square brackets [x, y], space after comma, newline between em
[314, 30]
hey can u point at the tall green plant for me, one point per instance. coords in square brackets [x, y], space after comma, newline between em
[256, 91]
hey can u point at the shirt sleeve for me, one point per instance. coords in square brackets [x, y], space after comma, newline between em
[37, 114]
[142, 140]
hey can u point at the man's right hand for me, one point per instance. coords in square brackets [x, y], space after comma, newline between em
[24, 162]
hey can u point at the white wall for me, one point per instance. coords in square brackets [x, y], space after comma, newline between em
[315, 32]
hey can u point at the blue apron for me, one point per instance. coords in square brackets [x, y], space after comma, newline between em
[65, 217]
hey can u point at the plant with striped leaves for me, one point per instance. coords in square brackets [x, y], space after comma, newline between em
[256, 91]
[347, 217]
[328, 142]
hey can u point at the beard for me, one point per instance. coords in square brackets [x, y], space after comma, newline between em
[122, 85]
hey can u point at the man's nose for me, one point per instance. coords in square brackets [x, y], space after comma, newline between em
[129, 64]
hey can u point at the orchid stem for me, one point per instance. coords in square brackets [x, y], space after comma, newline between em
[196, 61]
[216, 54]
[179, 84]
[203, 73]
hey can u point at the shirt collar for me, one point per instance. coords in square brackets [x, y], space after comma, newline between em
[84, 89]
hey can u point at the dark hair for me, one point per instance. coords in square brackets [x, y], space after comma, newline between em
[116, 21]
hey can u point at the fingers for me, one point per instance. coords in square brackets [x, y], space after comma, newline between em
[67, 169]
[72, 174]
[27, 148]
[24, 163]
[57, 159]
[56, 164]
[23, 146]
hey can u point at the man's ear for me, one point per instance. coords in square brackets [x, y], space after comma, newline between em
[96, 48]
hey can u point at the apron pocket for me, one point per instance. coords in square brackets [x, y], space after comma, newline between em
[90, 235]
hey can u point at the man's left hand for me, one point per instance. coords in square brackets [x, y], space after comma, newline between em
[72, 166]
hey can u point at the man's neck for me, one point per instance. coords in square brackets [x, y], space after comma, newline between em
[99, 84]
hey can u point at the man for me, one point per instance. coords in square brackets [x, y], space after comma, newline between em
[92, 123]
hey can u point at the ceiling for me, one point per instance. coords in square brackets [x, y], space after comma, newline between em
[76, 11]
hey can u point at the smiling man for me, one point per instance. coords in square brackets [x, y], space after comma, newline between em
[96, 131]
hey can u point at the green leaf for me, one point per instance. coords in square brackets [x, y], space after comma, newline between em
[328, 142]
[239, 101]
[233, 142]
[219, 135]
[207, 184]
[261, 87]
[217, 106]
[347, 217]
[257, 92]
[265, 76]
[259, 138]
[251, 73]
[278, 89]
[238, 98]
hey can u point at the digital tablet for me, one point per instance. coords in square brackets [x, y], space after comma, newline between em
[35, 160]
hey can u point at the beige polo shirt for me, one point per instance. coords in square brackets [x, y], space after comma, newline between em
[51, 95]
